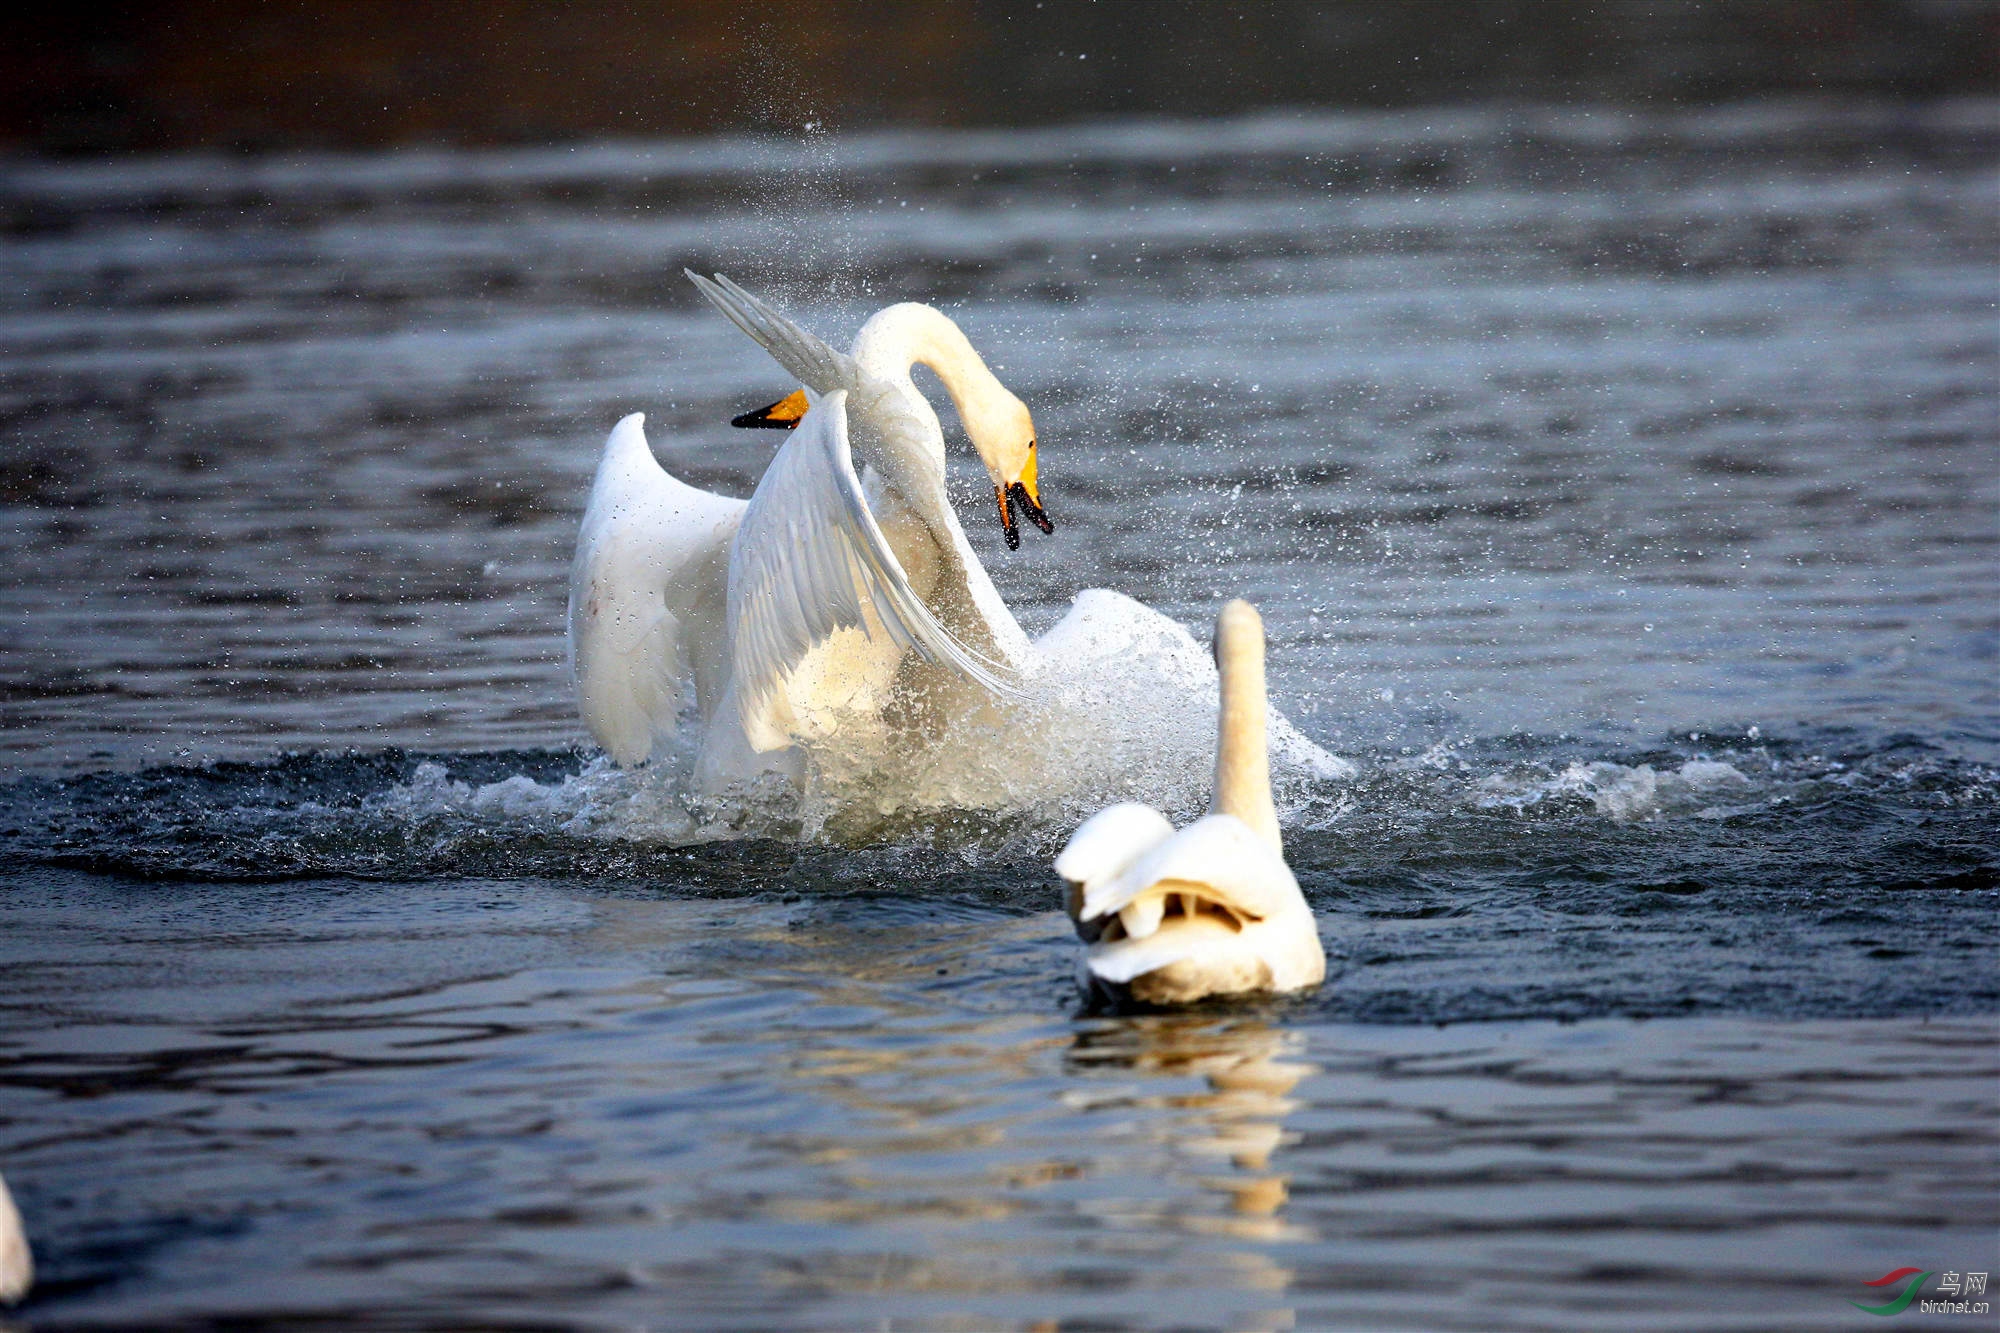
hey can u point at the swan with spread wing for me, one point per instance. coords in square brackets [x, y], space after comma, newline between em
[794, 611]
[840, 612]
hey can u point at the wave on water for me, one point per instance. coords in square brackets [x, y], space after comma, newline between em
[393, 813]
[1513, 877]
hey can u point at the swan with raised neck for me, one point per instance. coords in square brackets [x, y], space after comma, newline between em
[895, 420]
[1172, 917]
[1242, 753]
[849, 553]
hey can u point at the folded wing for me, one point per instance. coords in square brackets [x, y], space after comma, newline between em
[1218, 856]
[1109, 842]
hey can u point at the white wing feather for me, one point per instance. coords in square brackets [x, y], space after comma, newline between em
[1110, 841]
[1134, 957]
[17, 1262]
[645, 593]
[810, 361]
[1218, 851]
[807, 556]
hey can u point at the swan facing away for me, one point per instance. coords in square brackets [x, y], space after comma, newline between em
[17, 1265]
[1171, 917]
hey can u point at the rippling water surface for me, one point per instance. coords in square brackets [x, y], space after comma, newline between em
[1623, 496]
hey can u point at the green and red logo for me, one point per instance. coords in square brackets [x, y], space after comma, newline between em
[1901, 1303]
[1954, 1295]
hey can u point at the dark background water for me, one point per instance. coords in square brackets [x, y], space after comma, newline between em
[249, 76]
[1620, 487]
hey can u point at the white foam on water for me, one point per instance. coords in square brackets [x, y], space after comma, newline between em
[651, 804]
[1121, 706]
[1620, 792]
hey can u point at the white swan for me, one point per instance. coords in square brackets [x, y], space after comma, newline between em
[847, 619]
[17, 1265]
[794, 611]
[1213, 909]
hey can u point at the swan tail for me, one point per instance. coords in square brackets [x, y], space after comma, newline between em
[809, 360]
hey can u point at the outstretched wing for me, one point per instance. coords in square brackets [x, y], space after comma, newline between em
[811, 362]
[806, 559]
[650, 562]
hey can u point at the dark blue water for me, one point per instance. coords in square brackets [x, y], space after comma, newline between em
[1623, 496]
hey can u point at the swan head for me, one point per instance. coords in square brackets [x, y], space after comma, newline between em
[1003, 433]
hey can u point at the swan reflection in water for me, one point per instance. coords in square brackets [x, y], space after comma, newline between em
[1224, 1138]
[1237, 1123]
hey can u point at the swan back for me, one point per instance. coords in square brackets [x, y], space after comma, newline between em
[1235, 868]
[1212, 909]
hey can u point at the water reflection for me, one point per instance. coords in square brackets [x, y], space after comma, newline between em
[859, 1112]
[960, 1161]
[1221, 1138]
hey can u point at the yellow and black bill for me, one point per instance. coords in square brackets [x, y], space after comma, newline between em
[781, 415]
[1020, 493]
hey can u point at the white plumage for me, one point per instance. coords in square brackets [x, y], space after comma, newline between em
[1213, 909]
[17, 1265]
[647, 595]
[797, 607]
[809, 559]
[841, 613]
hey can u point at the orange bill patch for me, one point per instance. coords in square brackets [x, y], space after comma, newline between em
[781, 415]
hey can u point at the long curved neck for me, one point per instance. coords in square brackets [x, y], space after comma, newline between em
[900, 336]
[893, 340]
[1242, 757]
